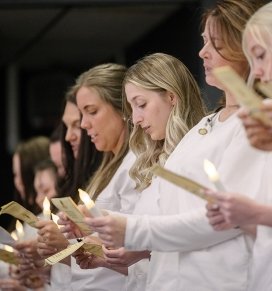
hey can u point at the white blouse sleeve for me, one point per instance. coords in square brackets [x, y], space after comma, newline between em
[181, 232]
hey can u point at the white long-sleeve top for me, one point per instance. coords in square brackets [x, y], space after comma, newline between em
[261, 278]
[119, 196]
[147, 203]
[190, 255]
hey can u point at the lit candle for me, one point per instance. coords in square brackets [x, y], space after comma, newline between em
[8, 248]
[94, 211]
[19, 230]
[213, 175]
[55, 218]
[14, 235]
[46, 209]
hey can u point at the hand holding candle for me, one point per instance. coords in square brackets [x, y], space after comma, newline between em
[46, 209]
[94, 211]
[213, 175]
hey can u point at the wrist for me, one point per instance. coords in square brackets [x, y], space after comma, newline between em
[264, 215]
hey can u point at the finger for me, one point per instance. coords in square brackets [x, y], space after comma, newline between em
[216, 219]
[97, 222]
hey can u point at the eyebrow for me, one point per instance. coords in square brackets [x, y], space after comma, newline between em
[88, 106]
[135, 97]
[212, 37]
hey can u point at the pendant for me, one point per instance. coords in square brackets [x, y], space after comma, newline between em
[203, 131]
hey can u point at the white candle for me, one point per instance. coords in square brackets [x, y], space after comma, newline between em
[213, 175]
[94, 211]
[46, 209]
[19, 230]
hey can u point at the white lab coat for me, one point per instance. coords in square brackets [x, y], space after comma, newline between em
[261, 278]
[120, 195]
[4, 267]
[147, 203]
[188, 254]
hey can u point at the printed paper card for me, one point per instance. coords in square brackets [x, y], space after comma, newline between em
[8, 257]
[16, 210]
[68, 206]
[244, 95]
[182, 182]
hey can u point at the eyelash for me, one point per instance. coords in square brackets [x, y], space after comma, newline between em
[93, 112]
[260, 57]
[142, 105]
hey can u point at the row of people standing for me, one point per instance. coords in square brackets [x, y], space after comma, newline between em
[166, 104]
[187, 254]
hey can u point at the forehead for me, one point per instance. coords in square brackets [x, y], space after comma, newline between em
[88, 96]
[71, 113]
[45, 175]
[212, 28]
[256, 39]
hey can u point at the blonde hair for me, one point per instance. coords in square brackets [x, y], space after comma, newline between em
[230, 17]
[161, 73]
[259, 27]
[107, 80]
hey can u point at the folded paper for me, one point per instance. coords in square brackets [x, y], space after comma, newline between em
[244, 95]
[8, 257]
[15, 209]
[183, 182]
[68, 206]
[265, 88]
[91, 248]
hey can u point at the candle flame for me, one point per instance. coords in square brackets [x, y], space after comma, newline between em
[19, 229]
[55, 218]
[46, 204]
[86, 199]
[14, 235]
[46, 208]
[210, 170]
[8, 248]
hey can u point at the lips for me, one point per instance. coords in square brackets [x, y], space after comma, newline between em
[146, 128]
[207, 69]
[74, 148]
[93, 137]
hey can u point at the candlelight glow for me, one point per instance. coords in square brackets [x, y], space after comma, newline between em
[55, 218]
[86, 199]
[211, 170]
[46, 209]
[19, 229]
[94, 211]
[14, 235]
[8, 248]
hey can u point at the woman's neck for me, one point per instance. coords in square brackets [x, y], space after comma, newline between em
[230, 108]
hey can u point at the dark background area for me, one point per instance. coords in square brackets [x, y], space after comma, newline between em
[45, 44]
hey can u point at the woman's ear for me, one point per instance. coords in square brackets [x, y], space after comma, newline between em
[173, 98]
